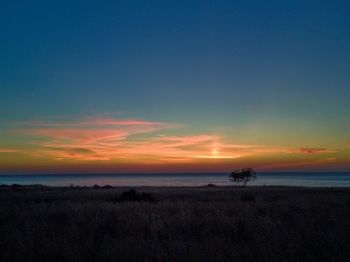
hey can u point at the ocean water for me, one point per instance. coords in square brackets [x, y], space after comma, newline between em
[328, 179]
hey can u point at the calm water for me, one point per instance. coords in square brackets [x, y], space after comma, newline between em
[184, 179]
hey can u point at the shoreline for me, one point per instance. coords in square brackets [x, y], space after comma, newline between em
[209, 186]
[180, 180]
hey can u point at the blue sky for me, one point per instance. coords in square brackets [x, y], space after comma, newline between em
[252, 71]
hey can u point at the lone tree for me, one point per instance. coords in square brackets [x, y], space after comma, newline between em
[242, 176]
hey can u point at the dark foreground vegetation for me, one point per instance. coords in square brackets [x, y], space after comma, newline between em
[174, 224]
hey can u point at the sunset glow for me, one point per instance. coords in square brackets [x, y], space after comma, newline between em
[174, 86]
[128, 144]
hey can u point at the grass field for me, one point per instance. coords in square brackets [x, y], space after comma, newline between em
[181, 224]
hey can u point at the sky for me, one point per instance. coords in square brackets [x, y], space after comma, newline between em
[174, 86]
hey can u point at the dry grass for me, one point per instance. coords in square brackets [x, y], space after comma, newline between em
[183, 224]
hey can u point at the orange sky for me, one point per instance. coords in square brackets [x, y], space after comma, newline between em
[102, 144]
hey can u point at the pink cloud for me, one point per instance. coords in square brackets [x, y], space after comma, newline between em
[7, 150]
[137, 141]
[101, 121]
[181, 141]
[82, 135]
[185, 139]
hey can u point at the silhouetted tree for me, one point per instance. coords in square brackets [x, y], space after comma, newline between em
[242, 176]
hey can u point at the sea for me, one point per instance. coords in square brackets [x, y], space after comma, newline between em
[321, 179]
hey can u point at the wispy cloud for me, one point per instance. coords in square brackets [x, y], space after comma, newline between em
[300, 164]
[98, 138]
[8, 150]
[98, 121]
[126, 141]
[310, 151]
[93, 138]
